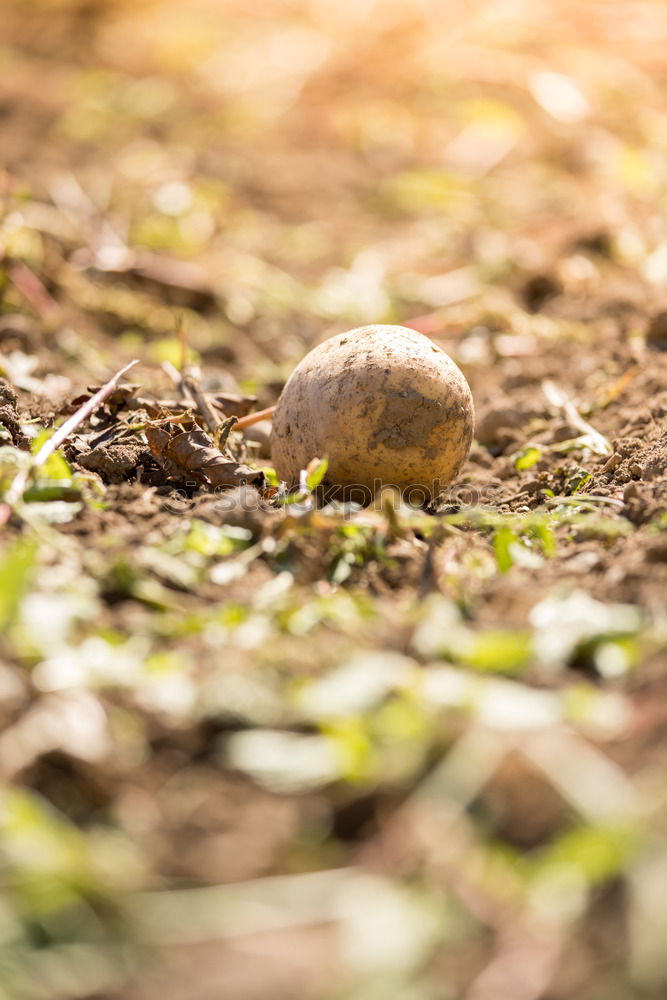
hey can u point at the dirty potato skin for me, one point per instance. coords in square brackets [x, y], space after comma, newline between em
[387, 407]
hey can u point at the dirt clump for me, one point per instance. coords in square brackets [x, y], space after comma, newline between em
[115, 462]
[9, 417]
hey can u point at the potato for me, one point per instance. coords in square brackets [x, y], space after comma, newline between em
[385, 405]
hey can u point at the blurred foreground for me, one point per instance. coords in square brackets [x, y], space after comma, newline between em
[376, 755]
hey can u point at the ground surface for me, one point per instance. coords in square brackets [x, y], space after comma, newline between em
[258, 750]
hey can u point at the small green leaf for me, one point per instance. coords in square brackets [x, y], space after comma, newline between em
[56, 466]
[15, 572]
[545, 535]
[423, 190]
[45, 492]
[500, 650]
[598, 852]
[502, 543]
[314, 478]
[576, 481]
[170, 349]
[528, 457]
[292, 498]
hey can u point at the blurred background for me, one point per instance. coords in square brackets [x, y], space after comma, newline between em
[315, 163]
[193, 807]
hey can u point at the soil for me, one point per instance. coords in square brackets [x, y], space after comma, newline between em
[169, 195]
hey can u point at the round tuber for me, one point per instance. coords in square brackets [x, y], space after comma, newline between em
[385, 405]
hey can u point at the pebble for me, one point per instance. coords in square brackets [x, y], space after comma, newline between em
[495, 425]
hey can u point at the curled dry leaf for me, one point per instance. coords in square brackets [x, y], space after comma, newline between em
[122, 397]
[234, 404]
[192, 453]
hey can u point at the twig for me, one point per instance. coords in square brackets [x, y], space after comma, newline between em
[172, 372]
[178, 418]
[189, 383]
[203, 405]
[583, 498]
[79, 416]
[254, 418]
[20, 481]
[32, 290]
[183, 341]
[619, 386]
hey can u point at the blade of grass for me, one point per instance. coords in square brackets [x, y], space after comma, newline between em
[558, 398]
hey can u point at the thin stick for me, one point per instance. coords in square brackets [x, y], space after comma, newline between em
[203, 405]
[79, 416]
[32, 290]
[20, 481]
[172, 372]
[189, 383]
[178, 418]
[183, 341]
[254, 418]
[182, 382]
[582, 498]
